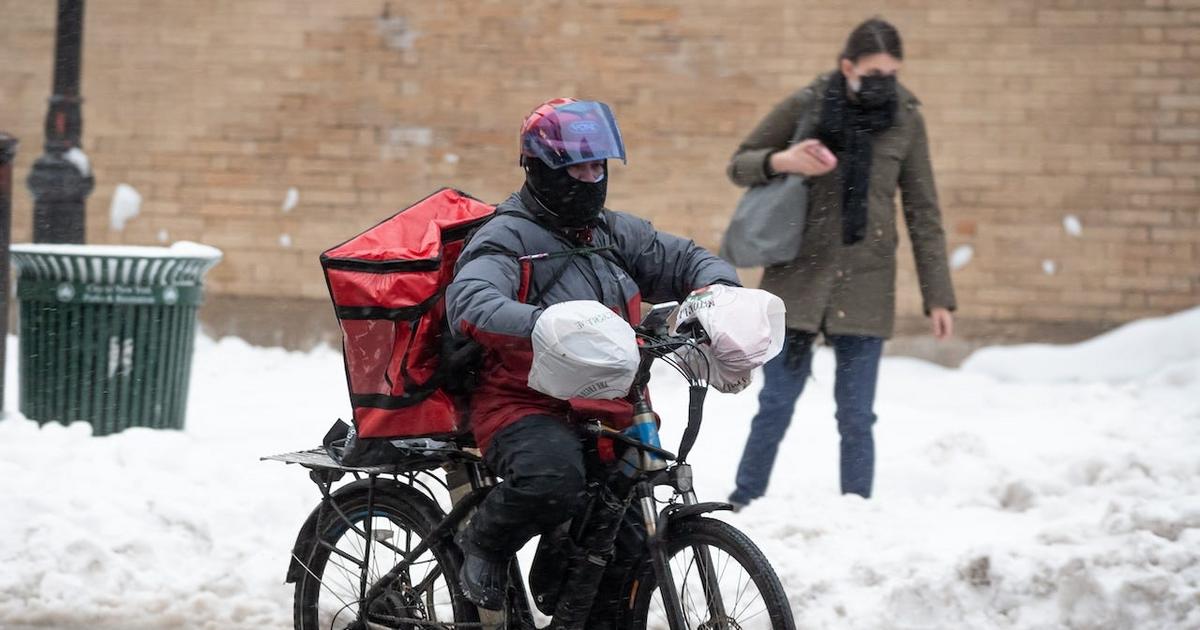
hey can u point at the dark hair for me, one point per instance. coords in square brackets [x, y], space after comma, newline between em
[876, 35]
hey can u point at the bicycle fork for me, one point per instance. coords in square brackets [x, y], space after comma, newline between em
[655, 528]
[704, 562]
[661, 557]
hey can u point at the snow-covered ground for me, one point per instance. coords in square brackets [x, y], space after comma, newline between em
[1035, 487]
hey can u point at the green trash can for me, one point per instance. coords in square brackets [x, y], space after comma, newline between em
[107, 332]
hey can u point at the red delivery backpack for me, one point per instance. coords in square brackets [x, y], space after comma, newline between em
[388, 287]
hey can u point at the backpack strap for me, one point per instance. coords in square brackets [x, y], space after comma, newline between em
[616, 257]
[528, 294]
[527, 269]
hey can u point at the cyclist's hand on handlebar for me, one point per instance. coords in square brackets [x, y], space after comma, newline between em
[745, 326]
[693, 330]
[582, 349]
[695, 302]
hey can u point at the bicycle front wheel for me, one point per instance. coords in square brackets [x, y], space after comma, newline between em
[722, 579]
[329, 593]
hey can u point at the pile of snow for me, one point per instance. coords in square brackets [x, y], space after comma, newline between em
[1134, 351]
[1034, 488]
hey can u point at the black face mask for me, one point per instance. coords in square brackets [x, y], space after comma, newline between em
[877, 90]
[567, 202]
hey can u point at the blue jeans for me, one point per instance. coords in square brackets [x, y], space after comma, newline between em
[854, 392]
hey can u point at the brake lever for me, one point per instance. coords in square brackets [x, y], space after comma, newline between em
[692, 330]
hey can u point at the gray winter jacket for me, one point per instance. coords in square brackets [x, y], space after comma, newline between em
[516, 265]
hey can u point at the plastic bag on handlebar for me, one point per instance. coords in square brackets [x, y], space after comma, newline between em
[582, 349]
[700, 361]
[745, 327]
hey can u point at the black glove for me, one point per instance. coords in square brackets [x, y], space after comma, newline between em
[796, 346]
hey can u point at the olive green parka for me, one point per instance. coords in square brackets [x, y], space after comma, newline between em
[851, 289]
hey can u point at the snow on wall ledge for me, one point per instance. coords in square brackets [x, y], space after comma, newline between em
[1038, 502]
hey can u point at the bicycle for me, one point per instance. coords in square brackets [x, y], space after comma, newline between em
[379, 552]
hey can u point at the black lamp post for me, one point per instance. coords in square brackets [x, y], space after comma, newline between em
[8, 151]
[59, 181]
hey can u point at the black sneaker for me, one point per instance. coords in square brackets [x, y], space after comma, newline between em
[483, 576]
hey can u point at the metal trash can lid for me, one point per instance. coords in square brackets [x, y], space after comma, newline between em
[180, 249]
[184, 262]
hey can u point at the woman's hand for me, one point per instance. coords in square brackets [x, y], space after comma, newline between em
[807, 157]
[942, 322]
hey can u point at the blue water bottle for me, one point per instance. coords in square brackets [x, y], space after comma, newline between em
[645, 430]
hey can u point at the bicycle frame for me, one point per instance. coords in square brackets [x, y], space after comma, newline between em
[644, 467]
[641, 488]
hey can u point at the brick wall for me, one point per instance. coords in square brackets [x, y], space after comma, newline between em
[1036, 110]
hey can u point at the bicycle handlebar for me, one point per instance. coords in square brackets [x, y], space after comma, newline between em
[658, 343]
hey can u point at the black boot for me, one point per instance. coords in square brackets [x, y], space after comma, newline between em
[483, 576]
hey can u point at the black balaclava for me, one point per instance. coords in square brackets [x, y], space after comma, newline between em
[565, 202]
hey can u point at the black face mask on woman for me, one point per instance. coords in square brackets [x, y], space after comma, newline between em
[567, 202]
[876, 90]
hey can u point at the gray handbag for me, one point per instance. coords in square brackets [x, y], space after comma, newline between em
[768, 224]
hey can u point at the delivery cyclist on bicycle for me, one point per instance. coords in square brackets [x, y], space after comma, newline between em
[553, 242]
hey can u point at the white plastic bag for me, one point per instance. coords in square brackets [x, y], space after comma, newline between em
[582, 349]
[745, 328]
[699, 360]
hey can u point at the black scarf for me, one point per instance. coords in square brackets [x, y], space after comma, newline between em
[847, 127]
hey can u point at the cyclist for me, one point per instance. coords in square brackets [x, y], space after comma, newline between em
[551, 242]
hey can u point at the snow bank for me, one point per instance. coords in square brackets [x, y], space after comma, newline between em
[998, 505]
[166, 529]
[1041, 503]
[1132, 351]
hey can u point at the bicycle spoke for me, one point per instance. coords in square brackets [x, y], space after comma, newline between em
[718, 588]
[427, 582]
[713, 596]
[351, 547]
[755, 599]
[347, 556]
[744, 582]
[383, 542]
[700, 611]
[319, 581]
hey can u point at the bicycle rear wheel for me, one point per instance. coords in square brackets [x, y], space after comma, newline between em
[329, 593]
[724, 583]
